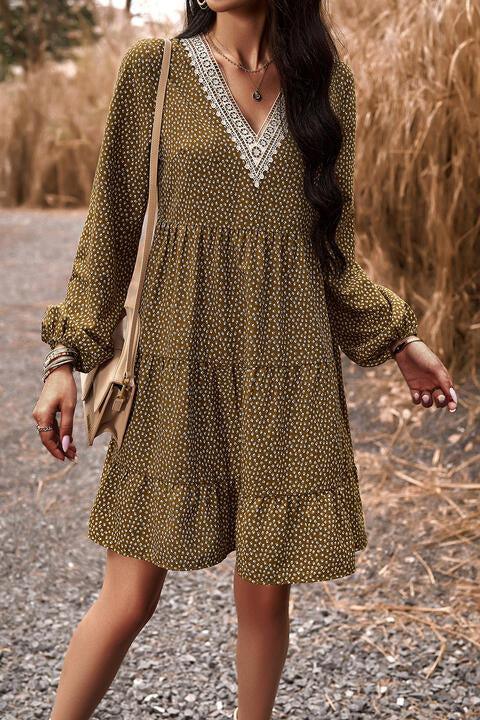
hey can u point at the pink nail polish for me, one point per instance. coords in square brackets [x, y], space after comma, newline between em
[65, 442]
[454, 395]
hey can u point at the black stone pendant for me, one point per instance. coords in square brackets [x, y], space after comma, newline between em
[257, 95]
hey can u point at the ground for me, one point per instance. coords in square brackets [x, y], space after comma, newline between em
[398, 639]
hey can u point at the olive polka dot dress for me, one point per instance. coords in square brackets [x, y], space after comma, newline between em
[239, 436]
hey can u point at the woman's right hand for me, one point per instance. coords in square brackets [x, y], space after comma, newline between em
[59, 393]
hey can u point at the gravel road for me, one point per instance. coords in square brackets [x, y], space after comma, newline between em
[394, 640]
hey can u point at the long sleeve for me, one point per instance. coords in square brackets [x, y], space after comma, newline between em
[366, 317]
[108, 244]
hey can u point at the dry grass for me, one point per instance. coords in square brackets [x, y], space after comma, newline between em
[417, 66]
[419, 484]
[53, 120]
[451, 608]
[418, 83]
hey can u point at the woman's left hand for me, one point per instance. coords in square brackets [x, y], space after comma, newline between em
[427, 377]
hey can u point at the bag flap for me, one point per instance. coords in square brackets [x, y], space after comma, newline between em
[87, 379]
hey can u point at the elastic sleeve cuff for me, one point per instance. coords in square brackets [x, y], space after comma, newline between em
[403, 322]
[56, 328]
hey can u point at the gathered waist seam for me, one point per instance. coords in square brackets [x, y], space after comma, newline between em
[181, 359]
[163, 222]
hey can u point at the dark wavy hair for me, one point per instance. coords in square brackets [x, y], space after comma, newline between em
[305, 54]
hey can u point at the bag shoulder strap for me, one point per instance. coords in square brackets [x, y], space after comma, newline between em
[132, 302]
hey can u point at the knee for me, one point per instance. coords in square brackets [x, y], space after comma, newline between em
[129, 610]
[264, 605]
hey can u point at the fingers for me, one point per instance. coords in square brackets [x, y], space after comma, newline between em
[442, 394]
[423, 397]
[426, 398]
[66, 428]
[50, 438]
[452, 399]
[439, 398]
[447, 397]
[71, 453]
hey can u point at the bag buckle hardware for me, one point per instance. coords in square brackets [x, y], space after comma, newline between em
[124, 387]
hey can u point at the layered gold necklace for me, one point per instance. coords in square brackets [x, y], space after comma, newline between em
[256, 95]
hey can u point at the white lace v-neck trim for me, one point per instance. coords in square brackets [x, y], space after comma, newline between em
[256, 149]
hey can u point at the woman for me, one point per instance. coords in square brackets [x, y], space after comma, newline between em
[239, 436]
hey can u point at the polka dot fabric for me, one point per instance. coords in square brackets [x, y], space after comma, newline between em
[239, 436]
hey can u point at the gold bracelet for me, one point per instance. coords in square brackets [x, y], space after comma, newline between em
[403, 344]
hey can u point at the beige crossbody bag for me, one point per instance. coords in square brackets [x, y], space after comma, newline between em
[109, 388]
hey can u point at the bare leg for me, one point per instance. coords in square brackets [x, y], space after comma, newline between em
[262, 644]
[130, 593]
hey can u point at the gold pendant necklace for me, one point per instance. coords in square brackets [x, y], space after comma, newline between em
[256, 95]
